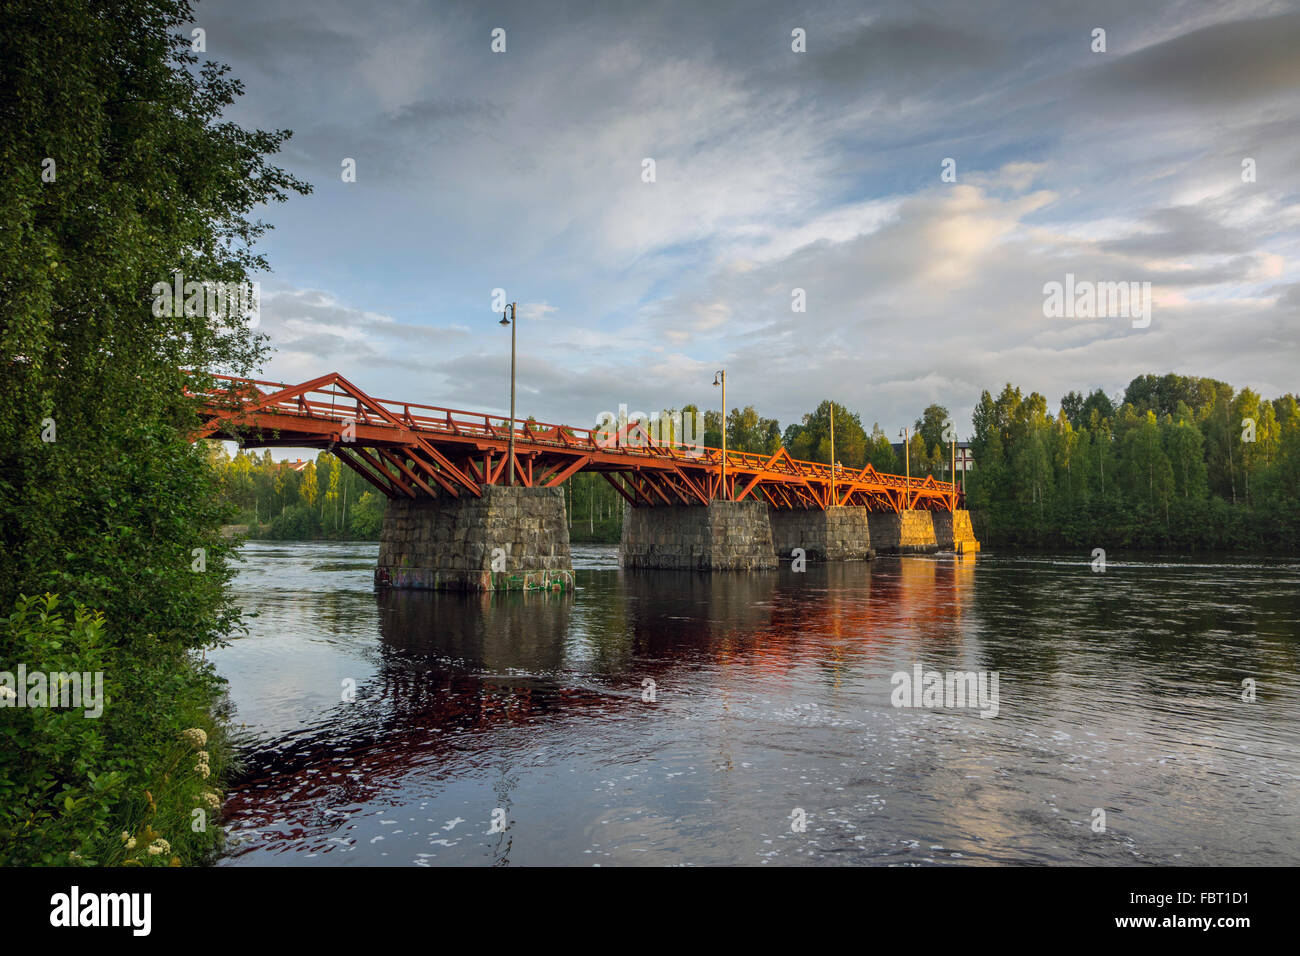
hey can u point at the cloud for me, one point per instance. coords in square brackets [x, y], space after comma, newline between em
[774, 171]
[536, 310]
[1235, 62]
[898, 59]
[1178, 232]
[318, 333]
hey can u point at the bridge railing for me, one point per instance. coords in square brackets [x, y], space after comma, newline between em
[331, 402]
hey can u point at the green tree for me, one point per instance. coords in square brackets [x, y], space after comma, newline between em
[308, 490]
[332, 494]
[747, 431]
[930, 426]
[713, 429]
[1072, 408]
[368, 516]
[880, 453]
[916, 460]
[1246, 412]
[811, 439]
[1185, 449]
[116, 507]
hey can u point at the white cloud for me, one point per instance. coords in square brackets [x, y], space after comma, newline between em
[523, 170]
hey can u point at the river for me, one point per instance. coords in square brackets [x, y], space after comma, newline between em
[666, 718]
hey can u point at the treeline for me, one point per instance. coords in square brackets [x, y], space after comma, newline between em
[809, 439]
[1177, 462]
[279, 499]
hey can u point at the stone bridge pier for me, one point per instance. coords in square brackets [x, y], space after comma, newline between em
[836, 534]
[516, 538]
[751, 535]
[953, 531]
[512, 538]
[719, 536]
[904, 532]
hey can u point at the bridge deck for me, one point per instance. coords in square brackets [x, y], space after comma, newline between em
[409, 450]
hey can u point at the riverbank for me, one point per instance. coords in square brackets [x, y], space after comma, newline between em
[1203, 527]
[133, 776]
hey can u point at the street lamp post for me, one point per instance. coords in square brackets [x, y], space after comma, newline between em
[907, 460]
[953, 473]
[720, 378]
[832, 453]
[512, 310]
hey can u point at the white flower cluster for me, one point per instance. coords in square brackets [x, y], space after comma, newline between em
[195, 736]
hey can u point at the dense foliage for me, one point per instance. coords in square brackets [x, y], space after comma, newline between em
[117, 173]
[120, 788]
[1178, 462]
[297, 500]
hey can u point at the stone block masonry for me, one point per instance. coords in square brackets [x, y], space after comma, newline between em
[720, 536]
[953, 531]
[907, 532]
[836, 534]
[449, 544]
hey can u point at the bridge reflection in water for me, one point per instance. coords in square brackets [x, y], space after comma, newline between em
[468, 686]
[772, 692]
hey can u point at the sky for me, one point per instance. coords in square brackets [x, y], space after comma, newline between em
[775, 170]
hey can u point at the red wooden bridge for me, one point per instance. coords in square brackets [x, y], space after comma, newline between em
[407, 450]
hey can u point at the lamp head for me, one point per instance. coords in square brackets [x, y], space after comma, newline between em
[504, 320]
[717, 378]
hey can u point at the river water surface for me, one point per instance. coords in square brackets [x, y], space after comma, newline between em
[519, 729]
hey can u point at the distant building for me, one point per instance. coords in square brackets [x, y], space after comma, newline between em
[965, 458]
